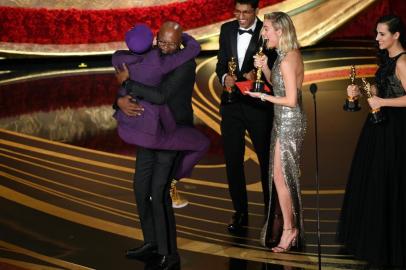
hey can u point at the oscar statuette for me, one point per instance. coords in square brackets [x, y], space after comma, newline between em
[351, 103]
[259, 85]
[229, 92]
[376, 115]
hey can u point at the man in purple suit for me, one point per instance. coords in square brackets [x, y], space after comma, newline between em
[156, 127]
[154, 167]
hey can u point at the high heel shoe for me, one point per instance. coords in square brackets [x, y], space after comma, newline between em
[293, 242]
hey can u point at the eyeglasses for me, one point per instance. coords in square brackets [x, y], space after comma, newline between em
[162, 43]
[243, 12]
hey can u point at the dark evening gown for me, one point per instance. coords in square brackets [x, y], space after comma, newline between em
[373, 218]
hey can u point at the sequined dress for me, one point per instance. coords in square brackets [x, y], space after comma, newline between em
[289, 128]
[373, 217]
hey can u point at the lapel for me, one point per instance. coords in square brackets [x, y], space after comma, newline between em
[233, 41]
[253, 46]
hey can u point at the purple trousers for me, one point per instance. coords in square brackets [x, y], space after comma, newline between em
[167, 136]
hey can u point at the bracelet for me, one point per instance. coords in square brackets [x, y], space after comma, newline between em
[262, 96]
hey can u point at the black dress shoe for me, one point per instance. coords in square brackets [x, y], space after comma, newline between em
[238, 221]
[143, 252]
[164, 262]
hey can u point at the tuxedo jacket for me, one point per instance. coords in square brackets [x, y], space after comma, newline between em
[228, 49]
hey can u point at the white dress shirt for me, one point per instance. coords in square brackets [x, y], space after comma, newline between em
[243, 41]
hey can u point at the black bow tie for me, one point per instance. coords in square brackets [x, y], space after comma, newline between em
[242, 31]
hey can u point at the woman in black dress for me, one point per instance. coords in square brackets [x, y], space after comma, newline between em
[373, 218]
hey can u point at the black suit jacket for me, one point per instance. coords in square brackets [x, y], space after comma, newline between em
[175, 90]
[228, 49]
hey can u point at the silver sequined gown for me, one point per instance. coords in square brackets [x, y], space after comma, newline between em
[289, 128]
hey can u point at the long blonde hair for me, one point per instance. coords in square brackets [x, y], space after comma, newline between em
[288, 40]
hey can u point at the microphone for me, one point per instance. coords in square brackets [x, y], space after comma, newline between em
[313, 88]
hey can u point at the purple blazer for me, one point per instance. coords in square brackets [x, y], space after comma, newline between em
[149, 69]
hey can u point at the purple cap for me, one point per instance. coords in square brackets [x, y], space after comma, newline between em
[139, 38]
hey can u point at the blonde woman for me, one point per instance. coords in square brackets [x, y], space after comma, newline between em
[289, 126]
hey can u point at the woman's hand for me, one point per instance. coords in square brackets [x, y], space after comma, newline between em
[353, 90]
[374, 90]
[260, 61]
[375, 102]
[262, 96]
[254, 94]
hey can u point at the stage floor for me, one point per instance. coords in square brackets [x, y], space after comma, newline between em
[66, 178]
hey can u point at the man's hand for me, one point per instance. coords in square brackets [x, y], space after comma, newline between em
[250, 75]
[229, 81]
[122, 73]
[129, 107]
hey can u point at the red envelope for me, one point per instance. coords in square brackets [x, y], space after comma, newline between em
[248, 85]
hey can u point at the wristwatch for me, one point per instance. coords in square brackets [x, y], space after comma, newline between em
[124, 84]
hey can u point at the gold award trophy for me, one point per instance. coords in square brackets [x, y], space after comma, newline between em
[351, 103]
[258, 85]
[376, 115]
[232, 66]
[229, 91]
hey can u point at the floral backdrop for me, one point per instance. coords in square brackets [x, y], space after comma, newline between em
[73, 26]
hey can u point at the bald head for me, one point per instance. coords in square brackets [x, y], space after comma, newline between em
[169, 37]
[172, 27]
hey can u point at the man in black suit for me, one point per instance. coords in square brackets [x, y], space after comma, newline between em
[154, 168]
[241, 39]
